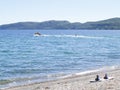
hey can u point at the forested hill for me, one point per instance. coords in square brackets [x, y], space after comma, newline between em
[109, 24]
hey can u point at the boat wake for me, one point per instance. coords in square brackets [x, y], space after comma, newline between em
[73, 36]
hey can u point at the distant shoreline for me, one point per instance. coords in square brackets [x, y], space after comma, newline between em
[109, 24]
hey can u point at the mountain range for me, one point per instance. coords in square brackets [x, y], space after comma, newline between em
[109, 24]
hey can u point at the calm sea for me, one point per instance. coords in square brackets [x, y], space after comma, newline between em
[25, 58]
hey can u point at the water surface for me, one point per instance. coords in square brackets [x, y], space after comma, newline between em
[25, 58]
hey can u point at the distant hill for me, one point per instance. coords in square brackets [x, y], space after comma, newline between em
[109, 24]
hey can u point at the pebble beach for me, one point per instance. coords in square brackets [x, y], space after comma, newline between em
[78, 82]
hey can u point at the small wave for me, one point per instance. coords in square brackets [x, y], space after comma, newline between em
[107, 68]
[104, 69]
[4, 84]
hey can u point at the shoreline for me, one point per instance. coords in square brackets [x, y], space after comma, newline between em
[76, 82]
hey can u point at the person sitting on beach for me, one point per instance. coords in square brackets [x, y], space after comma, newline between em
[97, 78]
[105, 77]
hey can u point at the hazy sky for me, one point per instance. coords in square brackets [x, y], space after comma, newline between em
[73, 10]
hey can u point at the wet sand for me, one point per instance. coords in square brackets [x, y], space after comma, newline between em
[78, 82]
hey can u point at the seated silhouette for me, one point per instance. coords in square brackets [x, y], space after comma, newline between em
[105, 77]
[97, 78]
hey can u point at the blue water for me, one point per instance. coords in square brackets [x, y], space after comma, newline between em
[25, 58]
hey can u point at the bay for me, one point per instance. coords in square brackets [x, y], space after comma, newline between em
[25, 58]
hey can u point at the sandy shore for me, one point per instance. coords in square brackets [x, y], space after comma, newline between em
[77, 82]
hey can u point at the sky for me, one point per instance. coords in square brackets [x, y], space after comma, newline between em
[12, 11]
